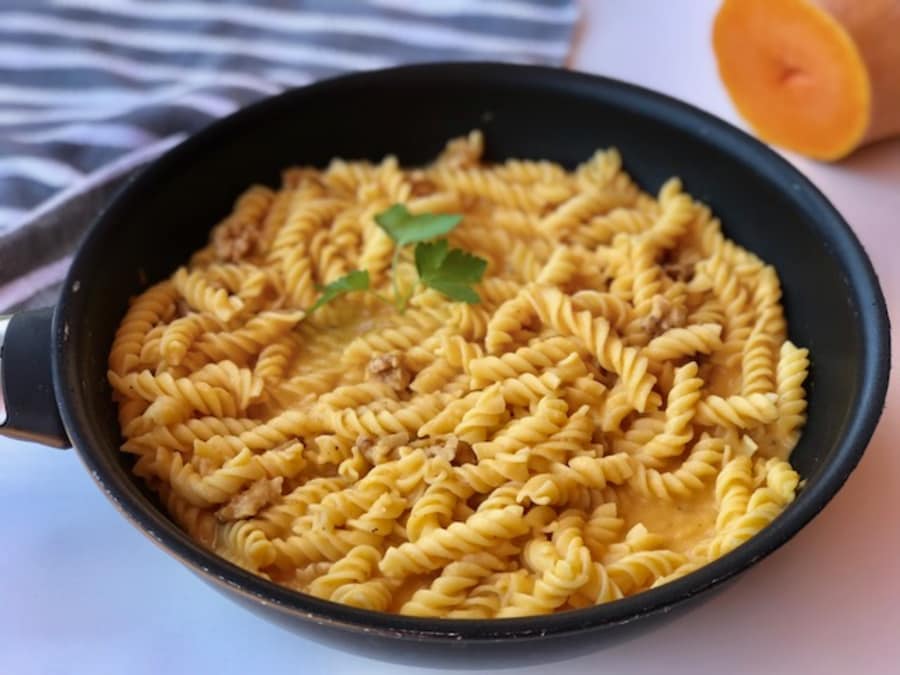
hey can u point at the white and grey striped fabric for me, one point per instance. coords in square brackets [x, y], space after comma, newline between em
[91, 90]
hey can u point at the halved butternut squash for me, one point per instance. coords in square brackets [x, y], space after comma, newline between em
[820, 77]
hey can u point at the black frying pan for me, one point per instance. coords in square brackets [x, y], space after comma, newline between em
[54, 362]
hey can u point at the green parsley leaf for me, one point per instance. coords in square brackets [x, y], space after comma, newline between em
[405, 228]
[450, 271]
[357, 280]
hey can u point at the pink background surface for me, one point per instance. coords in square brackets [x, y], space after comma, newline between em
[82, 592]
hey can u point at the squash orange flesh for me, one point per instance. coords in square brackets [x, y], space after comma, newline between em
[795, 75]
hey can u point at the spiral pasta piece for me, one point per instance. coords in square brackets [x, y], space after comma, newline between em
[435, 508]
[598, 588]
[201, 397]
[758, 360]
[184, 435]
[793, 367]
[204, 296]
[363, 421]
[764, 506]
[478, 183]
[571, 439]
[278, 430]
[487, 474]
[400, 476]
[375, 595]
[278, 518]
[481, 531]
[509, 317]
[274, 358]
[356, 395]
[250, 339]
[449, 590]
[358, 566]
[197, 522]
[610, 307]
[552, 489]
[433, 377]
[485, 600]
[488, 413]
[682, 403]
[413, 330]
[678, 342]
[555, 585]
[181, 334]
[700, 465]
[733, 487]
[548, 418]
[641, 568]
[145, 312]
[220, 485]
[556, 310]
[598, 472]
[530, 359]
[311, 545]
[528, 389]
[740, 411]
[381, 516]
[603, 527]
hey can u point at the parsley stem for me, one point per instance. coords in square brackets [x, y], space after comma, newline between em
[399, 302]
[385, 299]
[408, 296]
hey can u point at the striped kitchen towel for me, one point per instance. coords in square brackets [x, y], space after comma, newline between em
[91, 90]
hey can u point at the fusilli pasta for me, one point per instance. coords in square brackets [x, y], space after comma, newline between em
[616, 412]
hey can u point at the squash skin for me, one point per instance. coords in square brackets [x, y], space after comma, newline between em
[820, 77]
[874, 26]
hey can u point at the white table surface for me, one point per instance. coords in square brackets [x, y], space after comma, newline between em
[81, 591]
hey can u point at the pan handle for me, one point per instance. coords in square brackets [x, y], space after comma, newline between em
[28, 409]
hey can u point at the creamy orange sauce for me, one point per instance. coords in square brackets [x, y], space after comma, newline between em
[723, 381]
[684, 523]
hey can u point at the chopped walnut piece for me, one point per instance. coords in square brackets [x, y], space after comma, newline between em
[364, 443]
[449, 447]
[182, 308]
[420, 187]
[462, 452]
[389, 368]
[681, 267]
[436, 450]
[378, 450]
[394, 440]
[679, 271]
[607, 378]
[594, 367]
[467, 202]
[677, 318]
[252, 500]
[659, 308]
[663, 315]
[234, 240]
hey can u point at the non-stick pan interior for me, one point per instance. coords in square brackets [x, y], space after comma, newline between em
[531, 113]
